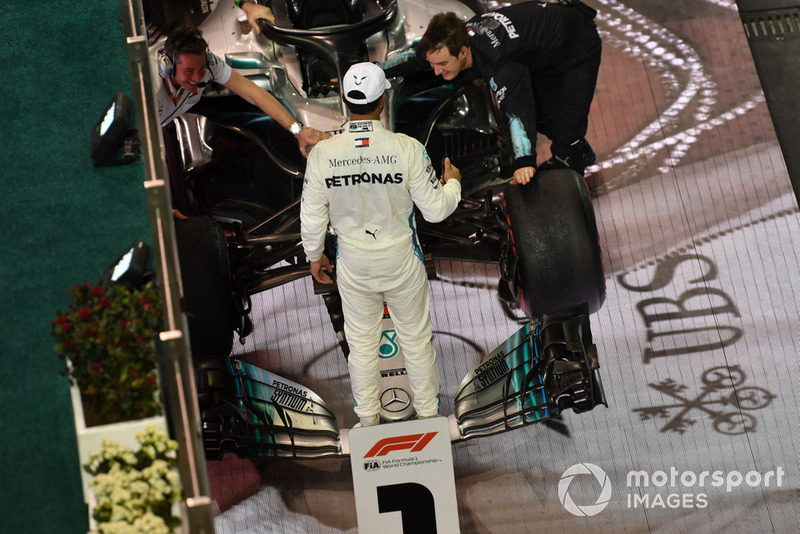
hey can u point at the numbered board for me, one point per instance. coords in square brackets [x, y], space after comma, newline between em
[403, 478]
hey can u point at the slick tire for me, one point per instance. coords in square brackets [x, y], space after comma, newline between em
[553, 233]
[205, 272]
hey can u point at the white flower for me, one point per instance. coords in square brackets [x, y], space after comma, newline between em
[135, 489]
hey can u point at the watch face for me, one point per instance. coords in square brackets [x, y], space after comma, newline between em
[296, 128]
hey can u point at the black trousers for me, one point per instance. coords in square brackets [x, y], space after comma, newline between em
[564, 94]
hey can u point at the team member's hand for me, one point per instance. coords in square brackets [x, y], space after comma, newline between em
[257, 11]
[523, 175]
[318, 269]
[451, 172]
[309, 137]
[178, 216]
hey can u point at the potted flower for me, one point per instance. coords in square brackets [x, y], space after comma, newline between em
[106, 338]
[136, 489]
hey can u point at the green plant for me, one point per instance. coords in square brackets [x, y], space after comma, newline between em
[135, 490]
[107, 338]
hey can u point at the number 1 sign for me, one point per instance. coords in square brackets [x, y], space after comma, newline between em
[403, 478]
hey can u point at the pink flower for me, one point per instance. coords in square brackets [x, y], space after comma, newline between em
[104, 302]
[84, 313]
[98, 291]
[96, 366]
[66, 326]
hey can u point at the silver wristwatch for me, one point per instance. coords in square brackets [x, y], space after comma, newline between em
[296, 128]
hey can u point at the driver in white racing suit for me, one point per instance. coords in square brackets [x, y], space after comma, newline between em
[365, 182]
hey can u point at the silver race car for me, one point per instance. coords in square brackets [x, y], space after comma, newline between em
[238, 176]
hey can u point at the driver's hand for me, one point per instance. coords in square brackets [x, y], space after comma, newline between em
[450, 171]
[523, 176]
[318, 269]
[309, 137]
[257, 11]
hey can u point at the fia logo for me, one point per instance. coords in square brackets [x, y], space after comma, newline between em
[372, 466]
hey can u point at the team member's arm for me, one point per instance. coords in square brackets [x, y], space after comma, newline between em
[256, 11]
[434, 200]
[314, 217]
[513, 90]
[408, 62]
[269, 104]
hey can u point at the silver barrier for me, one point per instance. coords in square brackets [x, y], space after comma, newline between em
[177, 376]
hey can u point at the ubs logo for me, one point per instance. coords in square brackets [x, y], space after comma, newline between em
[696, 317]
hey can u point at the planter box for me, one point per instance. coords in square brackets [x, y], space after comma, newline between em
[89, 440]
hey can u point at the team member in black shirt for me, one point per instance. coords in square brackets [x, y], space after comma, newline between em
[541, 61]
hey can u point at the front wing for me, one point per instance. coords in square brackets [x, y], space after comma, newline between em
[544, 368]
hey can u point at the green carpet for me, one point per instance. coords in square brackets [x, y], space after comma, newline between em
[63, 221]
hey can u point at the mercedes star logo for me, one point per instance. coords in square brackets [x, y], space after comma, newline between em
[395, 399]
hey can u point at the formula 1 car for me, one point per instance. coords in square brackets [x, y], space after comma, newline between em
[238, 176]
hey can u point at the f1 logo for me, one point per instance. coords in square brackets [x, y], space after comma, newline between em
[412, 443]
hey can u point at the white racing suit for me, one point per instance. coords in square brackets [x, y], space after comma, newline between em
[366, 181]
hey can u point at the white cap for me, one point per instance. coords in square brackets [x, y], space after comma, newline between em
[364, 83]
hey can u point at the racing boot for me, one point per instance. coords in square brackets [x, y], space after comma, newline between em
[577, 156]
[368, 421]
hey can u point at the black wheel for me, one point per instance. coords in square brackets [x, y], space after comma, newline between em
[554, 238]
[205, 272]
